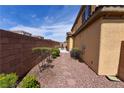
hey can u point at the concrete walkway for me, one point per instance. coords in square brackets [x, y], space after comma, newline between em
[63, 50]
[67, 73]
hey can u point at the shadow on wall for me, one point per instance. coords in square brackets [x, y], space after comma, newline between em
[77, 54]
[120, 73]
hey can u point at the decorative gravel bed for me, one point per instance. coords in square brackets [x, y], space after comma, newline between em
[69, 73]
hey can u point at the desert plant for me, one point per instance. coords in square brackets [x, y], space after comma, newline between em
[8, 80]
[29, 82]
[54, 55]
[75, 53]
[55, 52]
[36, 50]
[42, 50]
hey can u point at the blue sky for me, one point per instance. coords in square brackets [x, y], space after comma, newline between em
[52, 22]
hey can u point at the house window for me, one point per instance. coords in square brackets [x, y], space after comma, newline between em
[87, 12]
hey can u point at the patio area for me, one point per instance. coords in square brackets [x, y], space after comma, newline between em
[69, 73]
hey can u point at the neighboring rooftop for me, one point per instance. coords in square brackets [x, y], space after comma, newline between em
[40, 37]
[22, 32]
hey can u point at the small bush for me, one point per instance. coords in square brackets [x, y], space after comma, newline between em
[41, 50]
[36, 50]
[75, 53]
[54, 55]
[55, 52]
[29, 82]
[8, 80]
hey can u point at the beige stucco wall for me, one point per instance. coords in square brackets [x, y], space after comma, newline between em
[89, 38]
[78, 23]
[70, 43]
[112, 33]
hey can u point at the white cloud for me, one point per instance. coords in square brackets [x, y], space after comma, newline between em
[48, 19]
[34, 31]
[58, 30]
[33, 16]
[5, 21]
[52, 27]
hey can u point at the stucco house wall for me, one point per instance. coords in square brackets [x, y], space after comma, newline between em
[99, 38]
[102, 43]
[112, 33]
[88, 41]
[70, 43]
[78, 23]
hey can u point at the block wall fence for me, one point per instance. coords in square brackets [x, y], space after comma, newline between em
[16, 52]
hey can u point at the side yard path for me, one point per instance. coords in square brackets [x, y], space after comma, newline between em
[69, 73]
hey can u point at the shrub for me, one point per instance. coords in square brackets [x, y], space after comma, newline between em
[45, 50]
[55, 52]
[54, 55]
[40, 50]
[29, 82]
[75, 53]
[36, 50]
[8, 80]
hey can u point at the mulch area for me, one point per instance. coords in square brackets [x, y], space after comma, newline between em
[66, 72]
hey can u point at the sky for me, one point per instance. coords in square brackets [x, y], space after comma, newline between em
[51, 21]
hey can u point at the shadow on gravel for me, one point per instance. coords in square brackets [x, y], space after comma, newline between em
[45, 66]
[81, 60]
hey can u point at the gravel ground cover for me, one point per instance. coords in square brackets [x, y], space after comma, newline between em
[69, 73]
